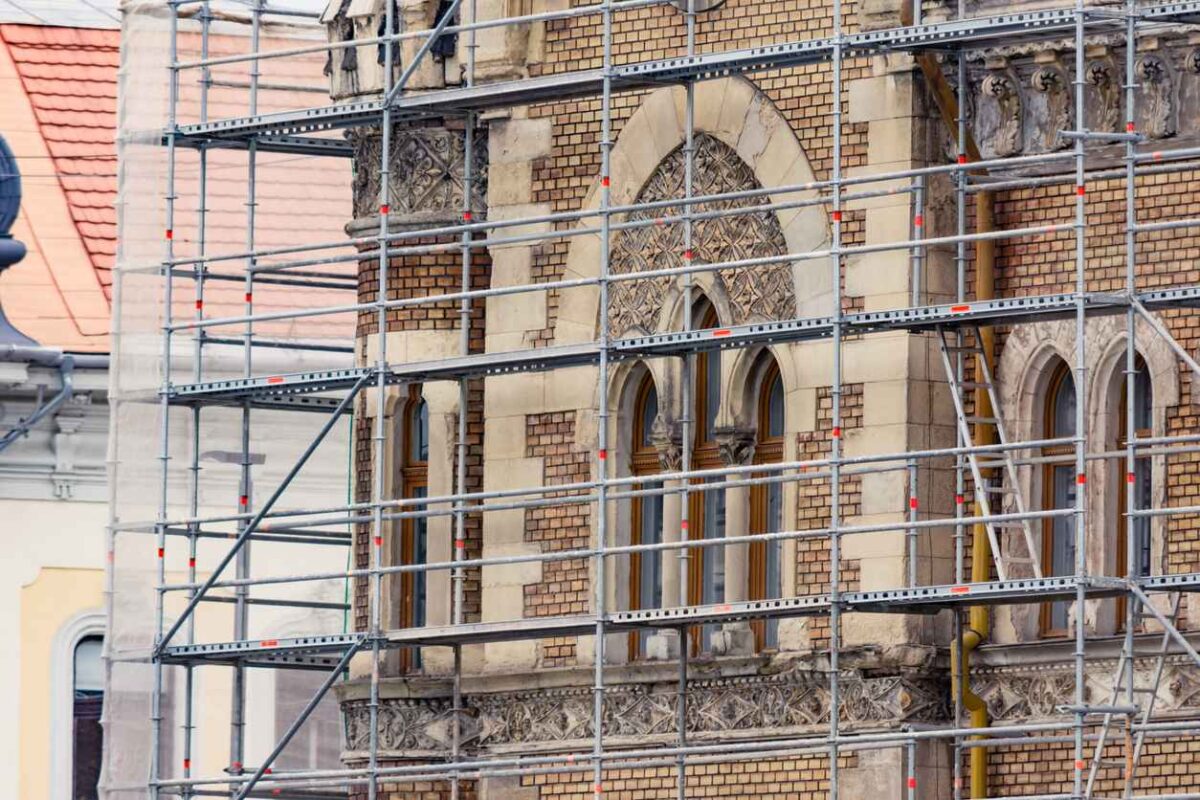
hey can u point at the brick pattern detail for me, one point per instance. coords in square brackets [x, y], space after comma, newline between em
[1165, 767]
[416, 790]
[564, 588]
[812, 555]
[774, 779]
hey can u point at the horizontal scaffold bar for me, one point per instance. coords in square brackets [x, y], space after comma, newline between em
[315, 650]
[289, 129]
[291, 390]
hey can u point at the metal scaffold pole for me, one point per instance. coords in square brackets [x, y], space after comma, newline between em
[932, 540]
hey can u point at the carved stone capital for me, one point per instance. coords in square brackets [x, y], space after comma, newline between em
[668, 441]
[736, 445]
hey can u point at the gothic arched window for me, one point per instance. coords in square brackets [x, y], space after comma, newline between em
[706, 509]
[413, 544]
[646, 513]
[765, 291]
[1058, 491]
[766, 503]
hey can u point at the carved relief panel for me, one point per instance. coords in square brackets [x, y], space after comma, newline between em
[766, 292]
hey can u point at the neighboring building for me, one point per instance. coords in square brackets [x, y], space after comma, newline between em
[59, 74]
[752, 680]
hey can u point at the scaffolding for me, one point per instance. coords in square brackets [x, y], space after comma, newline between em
[205, 397]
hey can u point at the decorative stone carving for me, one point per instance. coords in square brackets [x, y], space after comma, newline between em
[668, 441]
[1050, 109]
[794, 698]
[1155, 105]
[766, 292]
[736, 445]
[426, 172]
[1103, 96]
[998, 121]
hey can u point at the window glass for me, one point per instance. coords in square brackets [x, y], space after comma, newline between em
[712, 587]
[1062, 554]
[418, 433]
[775, 407]
[87, 736]
[1064, 407]
[649, 412]
[712, 393]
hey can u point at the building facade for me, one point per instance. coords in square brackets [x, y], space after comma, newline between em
[742, 407]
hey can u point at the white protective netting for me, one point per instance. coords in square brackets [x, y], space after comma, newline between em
[298, 200]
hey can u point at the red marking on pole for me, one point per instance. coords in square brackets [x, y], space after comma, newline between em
[959, 499]
[1129, 127]
[918, 220]
[199, 305]
[598, 789]
[962, 159]
[1156, 155]
[687, 255]
[722, 332]
[837, 433]
[170, 234]
[1079, 190]
[243, 500]
[683, 524]
[267, 643]
[1081, 479]
[1079, 764]
[466, 216]
[187, 763]
[960, 590]
[1130, 477]
[191, 562]
[460, 544]
[660, 221]
[378, 541]
[570, 758]
[160, 552]
[603, 454]
[267, 771]
[912, 503]
[912, 783]
[960, 309]
[237, 766]
[604, 181]
[724, 607]
[837, 216]
[275, 379]
[110, 556]
[384, 209]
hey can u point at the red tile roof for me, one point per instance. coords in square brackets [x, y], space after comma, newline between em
[70, 78]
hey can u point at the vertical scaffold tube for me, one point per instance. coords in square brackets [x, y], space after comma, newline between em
[835, 392]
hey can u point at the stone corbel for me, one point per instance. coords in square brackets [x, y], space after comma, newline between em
[1048, 81]
[1104, 95]
[999, 114]
[1155, 107]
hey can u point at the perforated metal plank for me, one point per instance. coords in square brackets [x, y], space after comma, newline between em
[312, 650]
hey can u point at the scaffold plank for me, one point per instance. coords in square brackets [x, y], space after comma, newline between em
[916, 600]
[286, 390]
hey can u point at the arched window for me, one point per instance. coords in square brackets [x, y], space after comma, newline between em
[646, 513]
[766, 504]
[1058, 491]
[87, 737]
[1143, 404]
[706, 510]
[414, 482]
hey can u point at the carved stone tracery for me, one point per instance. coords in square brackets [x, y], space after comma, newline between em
[426, 172]
[766, 292]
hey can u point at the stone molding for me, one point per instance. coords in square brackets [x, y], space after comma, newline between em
[545, 718]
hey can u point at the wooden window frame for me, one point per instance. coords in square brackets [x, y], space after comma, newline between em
[768, 450]
[643, 460]
[414, 476]
[705, 455]
[1062, 372]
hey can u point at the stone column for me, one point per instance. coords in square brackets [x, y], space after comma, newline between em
[667, 441]
[736, 446]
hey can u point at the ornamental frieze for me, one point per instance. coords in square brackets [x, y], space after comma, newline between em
[786, 701]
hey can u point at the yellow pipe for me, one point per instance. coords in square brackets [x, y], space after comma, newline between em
[979, 624]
